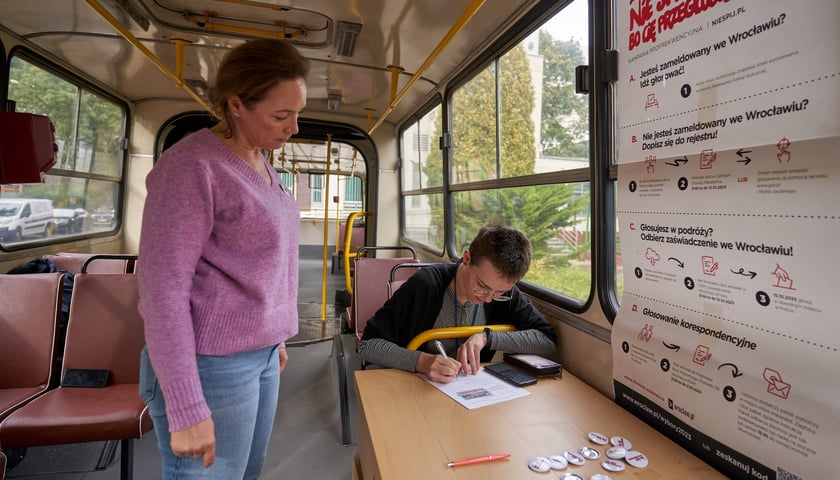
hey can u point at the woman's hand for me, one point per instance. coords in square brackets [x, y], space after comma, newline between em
[284, 358]
[197, 441]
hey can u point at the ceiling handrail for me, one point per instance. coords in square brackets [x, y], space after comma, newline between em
[462, 20]
[104, 13]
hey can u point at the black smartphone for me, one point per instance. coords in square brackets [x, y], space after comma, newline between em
[534, 364]
[510, 374]
[85, 377]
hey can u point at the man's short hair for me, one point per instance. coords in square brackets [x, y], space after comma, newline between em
[508, 249]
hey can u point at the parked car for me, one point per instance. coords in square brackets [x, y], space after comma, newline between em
[21, 217]
[104, 217]
[69, 220]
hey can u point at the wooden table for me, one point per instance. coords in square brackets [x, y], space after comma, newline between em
[407, 430]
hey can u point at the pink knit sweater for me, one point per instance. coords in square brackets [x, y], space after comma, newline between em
[217, 266]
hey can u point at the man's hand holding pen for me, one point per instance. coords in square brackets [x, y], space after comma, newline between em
[439, 368]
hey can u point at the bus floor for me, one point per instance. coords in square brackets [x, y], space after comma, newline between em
[306, 437]
[317, 322]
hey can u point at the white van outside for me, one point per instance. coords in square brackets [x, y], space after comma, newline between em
[22, 217]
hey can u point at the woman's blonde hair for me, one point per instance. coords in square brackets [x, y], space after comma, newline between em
[252, 69]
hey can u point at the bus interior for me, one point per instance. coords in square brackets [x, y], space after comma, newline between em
[420, 127]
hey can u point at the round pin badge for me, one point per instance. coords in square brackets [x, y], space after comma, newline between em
[570, 476]
[598, 438]
[558, 462]
[589, 453]
[613, 465]
[600, 476]
[618, 441]
[636, 459]
[539, 464]
[616, 453]
[574, 458]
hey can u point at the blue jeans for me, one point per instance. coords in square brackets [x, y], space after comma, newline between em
[241, 391]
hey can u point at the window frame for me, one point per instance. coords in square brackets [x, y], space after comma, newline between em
[511, 39]
[82, 86]
[413, 120]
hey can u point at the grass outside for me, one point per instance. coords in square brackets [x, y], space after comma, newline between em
[573, 279]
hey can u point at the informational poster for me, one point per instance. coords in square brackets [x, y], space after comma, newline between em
[728, 339]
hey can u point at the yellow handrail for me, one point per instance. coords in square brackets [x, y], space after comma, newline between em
[209, 24]
[348, 237]
[459, 24]
[454, 332]
[104, 13]
[326, 232]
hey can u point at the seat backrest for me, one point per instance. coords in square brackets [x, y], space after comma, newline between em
[400, 273]
[29, 313]
[370, 287]
[72, 262]
[105, 330]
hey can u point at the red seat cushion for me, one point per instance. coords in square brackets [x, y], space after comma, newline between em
[72, 415]
[11, 398]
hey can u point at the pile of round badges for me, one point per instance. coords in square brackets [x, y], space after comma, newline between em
[620, 451]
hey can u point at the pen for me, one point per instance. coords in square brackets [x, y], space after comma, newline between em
[442, 351]
[440, 348]
[481, 459]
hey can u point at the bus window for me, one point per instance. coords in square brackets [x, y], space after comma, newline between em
[556, 220]
[520, 118]
[302, 167]
[424, 219]
[84, 185]
[422, 180]
[543, 125]
[352, 192]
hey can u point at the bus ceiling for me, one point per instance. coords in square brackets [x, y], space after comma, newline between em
[363, 68]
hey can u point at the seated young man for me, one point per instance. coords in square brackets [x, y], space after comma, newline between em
[478, 290]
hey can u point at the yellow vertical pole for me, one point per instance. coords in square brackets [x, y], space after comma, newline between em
[395, 80]
[326, 232]
[370, 116]
[180, 47]
[337, 219]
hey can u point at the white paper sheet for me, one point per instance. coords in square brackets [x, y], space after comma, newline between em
[480, 390]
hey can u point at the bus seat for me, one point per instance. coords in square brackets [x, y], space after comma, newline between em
[400, 273]
[29, 314]
[93, 263]
[105, 331]
[394, 285]
[370, 290]
[370, 285]
[110, 263]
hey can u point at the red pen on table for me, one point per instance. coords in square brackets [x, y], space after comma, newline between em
[481, 459]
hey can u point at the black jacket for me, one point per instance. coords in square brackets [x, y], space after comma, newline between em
[414, 308]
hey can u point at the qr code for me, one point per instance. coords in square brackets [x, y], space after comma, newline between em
[782, 474]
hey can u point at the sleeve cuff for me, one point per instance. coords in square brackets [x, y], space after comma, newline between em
[488, 332]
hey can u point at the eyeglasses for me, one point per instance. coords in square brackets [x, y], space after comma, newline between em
[481, 290]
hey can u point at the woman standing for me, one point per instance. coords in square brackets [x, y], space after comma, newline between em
[219, 274]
